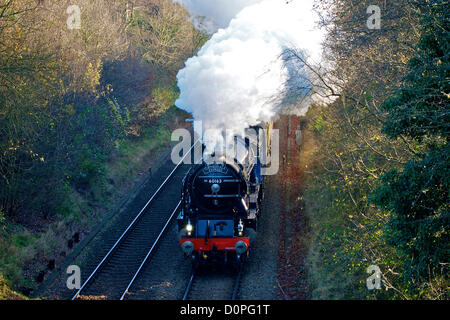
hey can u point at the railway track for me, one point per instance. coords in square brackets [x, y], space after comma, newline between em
[115, 273]
[213, 285]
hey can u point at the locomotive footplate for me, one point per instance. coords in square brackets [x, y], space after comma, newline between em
[225, 244]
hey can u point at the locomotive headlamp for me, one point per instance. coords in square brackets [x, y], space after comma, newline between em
[189, 228]
[240, 228]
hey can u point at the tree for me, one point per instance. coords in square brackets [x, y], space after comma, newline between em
[417, 194]
[365, 68]
[166, 36]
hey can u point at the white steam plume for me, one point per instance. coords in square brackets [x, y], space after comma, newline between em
[240, 78]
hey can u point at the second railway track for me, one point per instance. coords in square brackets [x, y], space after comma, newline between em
[115, 272]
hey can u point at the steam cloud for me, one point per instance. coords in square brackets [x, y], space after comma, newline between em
[240, 77]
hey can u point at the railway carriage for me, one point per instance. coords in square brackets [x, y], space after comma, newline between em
[221, 202]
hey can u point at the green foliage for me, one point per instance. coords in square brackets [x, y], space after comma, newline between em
[419, 224]
[6, 293]
[68, 100]
[164, 98]
[378, 190]
[165, 36]
[347, 231]
[418, 193]
[2, 221]
[319, 124]
[420, 107]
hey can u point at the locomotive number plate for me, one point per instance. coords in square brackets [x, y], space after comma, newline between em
[214, 181]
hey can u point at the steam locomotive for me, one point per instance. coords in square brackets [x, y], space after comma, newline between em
[221, 202]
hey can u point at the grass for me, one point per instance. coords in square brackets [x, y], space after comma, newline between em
[6, 293]
[132, 157]
[23, 253]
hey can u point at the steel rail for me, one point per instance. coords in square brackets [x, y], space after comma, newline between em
[132, 224]
[188, 289]
[235, 286]
[237, 283]
[150, 251]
